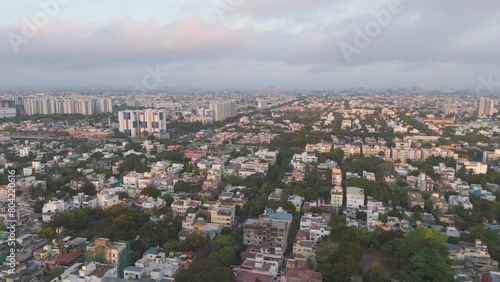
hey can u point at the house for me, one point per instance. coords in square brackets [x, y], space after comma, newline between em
[415, 199]
[153, 265]
[296, 201]
[306, 248]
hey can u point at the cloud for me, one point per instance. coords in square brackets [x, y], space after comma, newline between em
[260, 40]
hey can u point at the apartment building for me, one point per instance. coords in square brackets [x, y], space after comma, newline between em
[337, 177]
[153, 266]
[415, 199]
[141, 122]
[180, 206]
[223, 215]
[305, 248]
[355, 197]
[337, 196]
[223, 110]
[257, 231]
[104, 251]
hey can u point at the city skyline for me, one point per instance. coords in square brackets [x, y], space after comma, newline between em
[252, 45]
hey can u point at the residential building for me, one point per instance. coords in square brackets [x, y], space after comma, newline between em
[337, 196]
[104, 251]
[223, 110]
[89, 272]
[296, 201]
[153, 265]
[257, 231]
[355, 197]
[474, 167]
[415, 199]
[486, 107]
[305, 248]
[223, 215]
[141, 122]
[337, 177]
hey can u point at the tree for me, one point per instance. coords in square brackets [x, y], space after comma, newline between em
[225, 255]
[48, 233]
[56, 272]
[88, 188]
[206, 270]
[174, 156]
[151, 191]
[122, 195]
[376, 273]
[168, 199]
[170, 246]
[421, 255]
[37, 192]
[182, 186]
[195, 242]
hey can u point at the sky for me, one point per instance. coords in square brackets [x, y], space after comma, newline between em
[249, 44]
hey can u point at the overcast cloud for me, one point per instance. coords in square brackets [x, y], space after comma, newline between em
[291, 44]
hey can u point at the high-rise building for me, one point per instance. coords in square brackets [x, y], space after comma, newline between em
[261, 104]
[67, 105]
[485, 107]
[140, 122]
[6, 109]
[223, 110]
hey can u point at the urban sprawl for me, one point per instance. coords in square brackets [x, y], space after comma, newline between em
[267, 186]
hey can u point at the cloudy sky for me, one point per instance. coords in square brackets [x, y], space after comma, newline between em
[290, 44]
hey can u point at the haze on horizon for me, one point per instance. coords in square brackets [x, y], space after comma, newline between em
[290, 44]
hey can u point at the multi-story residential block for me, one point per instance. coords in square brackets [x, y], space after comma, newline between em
[266, 251]
[306, 248]
[223, 110]
[89, 271]
[337, 177]
[315, 225]
[439, 202]
[265, 155]
[297, 270]
[257, 231]
[459, 200]
[355, 197]
[253, 167]
[76, 105]
[425, 183]
[474, 167]
[54, 206]
[104, 251]
[322, 147]
[180, 206]
[223, 215]
[337, 196]
[153, 266]
[486, 107]
[305, 158]
[140, 122]
[415, 199]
